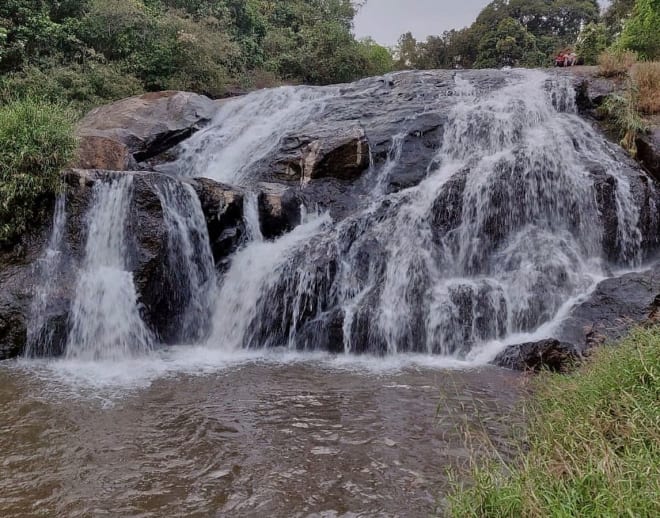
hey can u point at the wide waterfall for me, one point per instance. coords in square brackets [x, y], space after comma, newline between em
[503, 233]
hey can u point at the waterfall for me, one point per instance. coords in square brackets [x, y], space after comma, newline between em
[246, 130]
[190, 260]
[105, 317]
[502, 232]
[251, 217]
[41, 330]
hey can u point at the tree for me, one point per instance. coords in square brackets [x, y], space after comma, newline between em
[509, 44]
[406, 51]
[591, 43]
[641, 32]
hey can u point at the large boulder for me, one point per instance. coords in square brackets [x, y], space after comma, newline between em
[121, 135]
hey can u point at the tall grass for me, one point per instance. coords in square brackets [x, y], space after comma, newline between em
[616, 63]
[592, 448]
[646, 76]
[36, 142]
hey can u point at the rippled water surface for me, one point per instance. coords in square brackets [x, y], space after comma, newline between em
[259, 437]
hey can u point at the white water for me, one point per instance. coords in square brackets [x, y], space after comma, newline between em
[49, 267]
[190, 259]
[246, 130]
[494, 247]
[105, 318]
[524, 247]
[251, 217]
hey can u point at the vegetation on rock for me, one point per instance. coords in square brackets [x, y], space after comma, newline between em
[94, 51]
[37, 142]
[592, 446]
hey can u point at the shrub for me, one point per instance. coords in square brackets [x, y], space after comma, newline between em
[622, 111]
[593, 443]
[647, 80]
[84, 86]
[36, 142]
[614, 62]
[592, 43]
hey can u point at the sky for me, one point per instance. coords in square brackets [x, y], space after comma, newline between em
[386, 20]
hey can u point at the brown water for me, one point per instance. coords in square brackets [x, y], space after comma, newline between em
[258, 438]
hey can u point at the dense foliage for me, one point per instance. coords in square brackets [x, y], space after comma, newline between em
[37, 142]
[506, 33]
[593, 443]
[530, 33]
[90, 51]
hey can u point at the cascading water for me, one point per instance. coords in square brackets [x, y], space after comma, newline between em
[40, 332]
[505, 229]
[105, 318]
[190, 259]
[246, 130]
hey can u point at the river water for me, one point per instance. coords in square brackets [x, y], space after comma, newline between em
[186, 434]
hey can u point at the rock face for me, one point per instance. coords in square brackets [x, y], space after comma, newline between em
[121, 135]
[549, 354]
[612, 309]
[365, 156]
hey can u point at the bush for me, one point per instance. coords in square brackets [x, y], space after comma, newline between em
[647, 80]
[622, 112]
[36, 142]
[84, 86]
[592, 43]
[593, 443]
[614, 62]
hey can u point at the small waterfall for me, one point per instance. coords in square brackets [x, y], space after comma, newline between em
[41, 331]
[105, 318]
[254, 268]
[251, 217]
[246, 130]
[190, 259]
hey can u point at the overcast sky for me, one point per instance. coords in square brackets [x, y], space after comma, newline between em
[386, 20]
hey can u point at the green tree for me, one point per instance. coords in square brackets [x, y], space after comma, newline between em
[641, 33]
[509, 44]
[592, 42]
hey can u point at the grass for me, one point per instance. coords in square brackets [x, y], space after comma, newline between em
[646, 76]
[616, 63]
[592, 447]
[36, 142]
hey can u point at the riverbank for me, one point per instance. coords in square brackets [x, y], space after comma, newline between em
[592, 447]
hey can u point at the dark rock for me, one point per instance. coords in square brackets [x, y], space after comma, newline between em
[548, 354]
[616, 305]
[279, 209]
[648, 152]
[223, 209]
[119, 135]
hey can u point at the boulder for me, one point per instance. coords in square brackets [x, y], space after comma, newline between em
[340, 153]
[616, 305]
[548, 354]
[648, 152]
[122, 134]
[223, 210]
[279, 209]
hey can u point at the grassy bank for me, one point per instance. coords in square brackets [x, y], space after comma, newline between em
[592, 447]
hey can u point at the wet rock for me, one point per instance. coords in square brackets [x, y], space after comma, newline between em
[648, 152]
[119, 135]
[223, 210]
[548, 354]
[342, 153]
[614, 307]
[279, 209]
